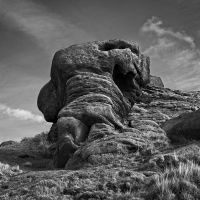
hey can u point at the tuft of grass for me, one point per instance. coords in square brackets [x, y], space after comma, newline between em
[181, 182]
[7, 170]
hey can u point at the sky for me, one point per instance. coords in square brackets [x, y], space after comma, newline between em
[31, 31]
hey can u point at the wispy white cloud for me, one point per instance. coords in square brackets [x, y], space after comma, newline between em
[154, 25]
[180, 57]
[20, 114]
[48, 29]
[161, 46]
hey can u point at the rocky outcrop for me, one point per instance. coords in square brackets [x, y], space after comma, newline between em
[90, 100]
[156, 81]
[185, 126]
[158, 170]
[92, 89]
[113, 64]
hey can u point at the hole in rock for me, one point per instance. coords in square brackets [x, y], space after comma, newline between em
[123, 81]
[118, 45]
[110, 46]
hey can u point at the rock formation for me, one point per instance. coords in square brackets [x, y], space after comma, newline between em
[157, 170]
[107, 124]
[185, 126]
[89, 96]
[156, 81]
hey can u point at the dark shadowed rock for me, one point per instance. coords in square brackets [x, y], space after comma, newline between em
[48, 102]
[53, 133]
[156, 81]
[185, 126]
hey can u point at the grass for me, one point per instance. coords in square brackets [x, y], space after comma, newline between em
[181, 182]
[7, 170]
[175, 181]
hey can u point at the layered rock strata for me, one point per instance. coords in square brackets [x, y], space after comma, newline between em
[92, 89]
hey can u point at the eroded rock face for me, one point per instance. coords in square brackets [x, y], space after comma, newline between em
[90, 94]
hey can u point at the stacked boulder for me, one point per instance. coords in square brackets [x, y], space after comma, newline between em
[92, 89]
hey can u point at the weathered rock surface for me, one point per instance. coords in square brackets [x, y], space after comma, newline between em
[93, 87]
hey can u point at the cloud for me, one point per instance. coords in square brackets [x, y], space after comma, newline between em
[49, 30]
[20, 114]
[154, 25]
[160, 47]
[174, 56]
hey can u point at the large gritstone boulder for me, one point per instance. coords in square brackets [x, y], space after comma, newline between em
[184, 127]
[92, 89]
